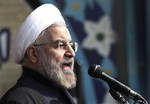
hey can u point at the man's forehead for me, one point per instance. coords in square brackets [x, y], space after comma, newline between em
[59, 33]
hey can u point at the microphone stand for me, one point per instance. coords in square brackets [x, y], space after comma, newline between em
[120, 98]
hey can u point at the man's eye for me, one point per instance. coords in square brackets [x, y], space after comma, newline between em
[61, 45]
[72, 45]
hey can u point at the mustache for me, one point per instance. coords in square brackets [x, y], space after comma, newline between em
[69, 61]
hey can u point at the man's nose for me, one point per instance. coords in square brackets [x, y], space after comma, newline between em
[70, 52]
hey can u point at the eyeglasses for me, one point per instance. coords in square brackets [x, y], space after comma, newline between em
[62, 45]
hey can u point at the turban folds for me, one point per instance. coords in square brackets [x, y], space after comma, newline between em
[41, 18]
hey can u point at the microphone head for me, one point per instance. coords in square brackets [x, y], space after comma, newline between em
[95, 71]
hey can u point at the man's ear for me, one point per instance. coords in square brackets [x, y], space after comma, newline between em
[32, 54]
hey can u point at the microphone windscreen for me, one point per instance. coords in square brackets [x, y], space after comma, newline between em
[95, 71]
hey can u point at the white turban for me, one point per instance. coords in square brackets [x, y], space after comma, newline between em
[35, 23]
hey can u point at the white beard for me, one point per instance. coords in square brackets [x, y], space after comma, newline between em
[55, 73]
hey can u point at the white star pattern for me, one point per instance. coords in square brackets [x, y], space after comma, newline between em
[100, 36]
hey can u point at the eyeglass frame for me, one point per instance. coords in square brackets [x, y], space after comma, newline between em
[59, 43]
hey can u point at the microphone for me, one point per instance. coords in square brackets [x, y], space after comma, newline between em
[95, 71]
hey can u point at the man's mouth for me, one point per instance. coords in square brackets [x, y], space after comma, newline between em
[67, 66]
